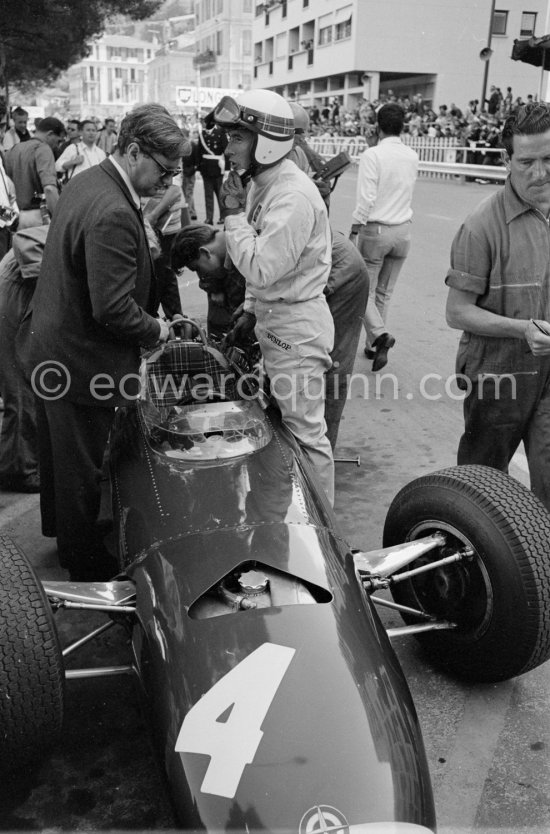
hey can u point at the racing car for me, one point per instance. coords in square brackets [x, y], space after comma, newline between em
[276, 698]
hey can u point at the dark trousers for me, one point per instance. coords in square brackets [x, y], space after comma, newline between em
[500, 413]
[5, 241]
[347, 306]
[72, 443]
[212, 185]
[18, 442]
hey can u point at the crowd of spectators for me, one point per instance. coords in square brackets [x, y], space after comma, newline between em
[472, 124]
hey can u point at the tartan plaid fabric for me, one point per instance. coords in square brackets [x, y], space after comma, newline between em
[269, 124]
[187, 372]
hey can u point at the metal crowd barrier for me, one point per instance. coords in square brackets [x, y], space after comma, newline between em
[439, 158]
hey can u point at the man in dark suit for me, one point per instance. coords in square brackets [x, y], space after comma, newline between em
[95, 305]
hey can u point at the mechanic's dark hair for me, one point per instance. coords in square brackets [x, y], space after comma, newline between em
[528, 120]
[391, 118]
[187, 243]
[53, 124]
[154, 129]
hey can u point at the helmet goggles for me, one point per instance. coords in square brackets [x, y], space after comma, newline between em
[229, 114]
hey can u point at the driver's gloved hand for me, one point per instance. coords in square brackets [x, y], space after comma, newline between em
[242, 330]
[233, 194]
[323, 187]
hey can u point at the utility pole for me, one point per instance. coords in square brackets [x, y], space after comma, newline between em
[488, 59]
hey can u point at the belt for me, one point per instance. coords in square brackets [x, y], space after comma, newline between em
[380, 223]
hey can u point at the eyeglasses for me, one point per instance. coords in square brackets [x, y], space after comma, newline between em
[165, 172]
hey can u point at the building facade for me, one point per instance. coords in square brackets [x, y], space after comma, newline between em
[223, 43]
[171, 68]
[112, 79]
[315, 50]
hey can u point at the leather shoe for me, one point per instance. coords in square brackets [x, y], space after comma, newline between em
[382, 344]
[369, 353]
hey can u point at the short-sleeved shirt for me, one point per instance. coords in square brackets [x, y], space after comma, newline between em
[502, 254]
[31, 166]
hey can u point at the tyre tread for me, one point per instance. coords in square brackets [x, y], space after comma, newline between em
[31, 665]
[525, 523]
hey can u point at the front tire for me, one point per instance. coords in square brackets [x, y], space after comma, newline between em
[31, 666]
[499, 600]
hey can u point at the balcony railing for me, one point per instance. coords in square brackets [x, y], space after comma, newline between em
[205, 59]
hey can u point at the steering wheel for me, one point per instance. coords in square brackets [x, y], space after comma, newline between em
[183, 329]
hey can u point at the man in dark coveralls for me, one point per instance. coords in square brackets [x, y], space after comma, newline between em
[95, 305]
[499, 296]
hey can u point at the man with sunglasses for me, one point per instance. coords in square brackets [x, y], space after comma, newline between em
[278, 237]
[94, 307]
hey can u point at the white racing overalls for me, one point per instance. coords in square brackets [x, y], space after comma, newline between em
[282, 245]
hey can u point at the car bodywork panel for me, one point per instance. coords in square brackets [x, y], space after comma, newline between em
[265, 712]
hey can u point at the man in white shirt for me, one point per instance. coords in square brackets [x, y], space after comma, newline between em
[82, 155]
[18, 132]
[9, 210]
[382, 222]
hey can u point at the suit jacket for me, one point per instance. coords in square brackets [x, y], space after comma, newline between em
[95, 287]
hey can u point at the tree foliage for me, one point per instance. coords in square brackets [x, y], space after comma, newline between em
[39, 39]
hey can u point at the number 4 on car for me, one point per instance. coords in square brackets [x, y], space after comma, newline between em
[225, 724]
[276, 700]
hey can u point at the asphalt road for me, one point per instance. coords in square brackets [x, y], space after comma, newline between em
[487, 746]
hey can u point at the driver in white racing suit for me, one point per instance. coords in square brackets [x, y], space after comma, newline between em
[278, 237]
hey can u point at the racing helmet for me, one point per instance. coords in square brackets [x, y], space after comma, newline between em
[265, 114]
[301, 117]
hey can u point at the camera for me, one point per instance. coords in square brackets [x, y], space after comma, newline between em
[7, 214]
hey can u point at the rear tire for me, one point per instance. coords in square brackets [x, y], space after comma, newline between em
[500, 599]
[32, 677]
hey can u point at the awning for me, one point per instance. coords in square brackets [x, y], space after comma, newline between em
[535, 51]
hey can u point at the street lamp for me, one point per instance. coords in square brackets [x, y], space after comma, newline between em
[485, 55]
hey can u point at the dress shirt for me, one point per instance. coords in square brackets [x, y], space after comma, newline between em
[387, 173]
[92, 156]
[135, 196]
[7, 194]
